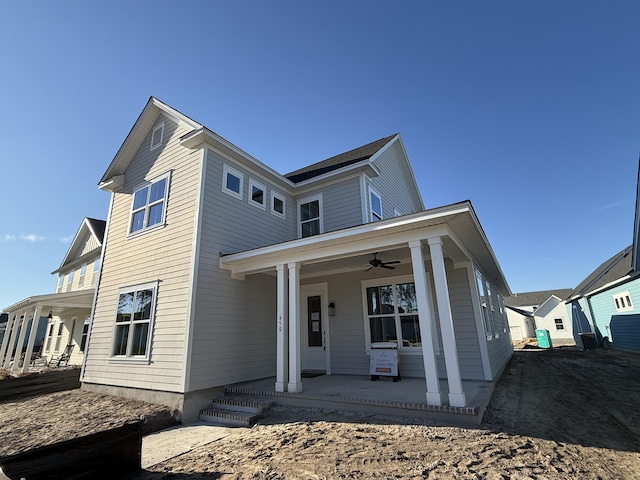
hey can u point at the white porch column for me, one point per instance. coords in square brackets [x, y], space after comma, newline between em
[5, 340]
[12, 341]
[32, 339]
[23, 333]
[434, 396]
[456, 394]
[282, 359]
[295, 377]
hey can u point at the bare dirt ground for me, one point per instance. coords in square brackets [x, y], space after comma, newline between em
[555, 414]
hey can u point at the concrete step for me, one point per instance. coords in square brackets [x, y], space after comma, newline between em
[234, 411]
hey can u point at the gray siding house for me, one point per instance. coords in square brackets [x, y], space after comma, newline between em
[218, 270]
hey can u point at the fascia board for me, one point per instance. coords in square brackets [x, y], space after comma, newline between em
[64, 300]
[615, 283]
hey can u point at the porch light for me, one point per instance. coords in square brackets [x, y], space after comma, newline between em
[332, 309]
[50, 316]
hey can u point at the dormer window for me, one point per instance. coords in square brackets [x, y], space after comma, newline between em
[148, 208]
[157, 136]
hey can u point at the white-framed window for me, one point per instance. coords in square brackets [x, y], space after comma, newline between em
[257, 194]
[375, 206]
[157, 136]
[148, 205]
[85, 333]
[623, 301]
[96, 269]
[81, 276]
[391, 313]
[133, 323]
[49, 336]
[232, 181]
[486, 305]
[69, 280]
[60, 331]
[60, 282]
[310, 216]
[278, 204]
[559, 323]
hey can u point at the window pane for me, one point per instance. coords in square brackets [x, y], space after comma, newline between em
[157, 190]
[138, 221]
[139, 346]
[383, 329]
[410, 331]
[143, 305]
[278, 205]
[233, 182]
[376, 205]
[125, 307]
[380, 300]
[407, 302]
[310, 228]
[257, 195]
[120, 343]
[155, 214]
[309, 210]
[140, 198]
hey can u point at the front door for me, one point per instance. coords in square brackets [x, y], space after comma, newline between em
[314, 330]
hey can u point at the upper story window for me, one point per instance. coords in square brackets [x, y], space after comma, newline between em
[310, 217]
[60, 282]
[232, 181]
[83, 272]
[277, 204]
[257, 193]
[157, 136]
[623, 301]
[375, 206]
[134, 315]
[69, 280]
[148, 207]
[96, 269]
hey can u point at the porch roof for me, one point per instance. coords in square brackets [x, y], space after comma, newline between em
[56, 301]
[457, 225]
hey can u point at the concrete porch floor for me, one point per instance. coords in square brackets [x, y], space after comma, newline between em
[405, 398]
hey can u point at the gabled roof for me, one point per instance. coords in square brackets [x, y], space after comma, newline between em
[89, 226]
[526, 299]
[616, 268]
[345, 159]
[520, 311]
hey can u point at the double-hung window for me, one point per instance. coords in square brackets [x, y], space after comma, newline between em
[134, 316]
[310, 217]
[375, 206]
[83, 272]
[60, 282]
[69, 281]
[148, 208]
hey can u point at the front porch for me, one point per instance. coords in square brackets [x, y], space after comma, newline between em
[356, 393]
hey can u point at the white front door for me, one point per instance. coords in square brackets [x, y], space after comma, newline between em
[315, 328]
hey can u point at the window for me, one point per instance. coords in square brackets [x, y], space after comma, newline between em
[69, 280]
[148, 205]
[133, 321]
[486, 307]
[96, 269]
[60, 282]
[310, 220]
[59, 336]
[277, 204]
[256, 193]
[83, 271]
[85, 334]
[232, 181]
[49, 337]
[391, 313]
[559, 323]
[623, 301]
[157, 136]
[375, 206]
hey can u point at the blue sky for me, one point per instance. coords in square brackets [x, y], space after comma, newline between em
[529, 109]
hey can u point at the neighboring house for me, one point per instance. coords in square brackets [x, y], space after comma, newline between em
[530, 311]
[3, 324]
[62, 318]
[218, 270]
[607, 302]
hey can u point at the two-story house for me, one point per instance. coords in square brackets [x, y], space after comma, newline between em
[218, 270]
[48, 326]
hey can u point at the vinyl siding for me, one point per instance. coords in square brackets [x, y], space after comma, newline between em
[342, 205]
[621, 332]
[393, 184]
[162, 255]
[500, 346]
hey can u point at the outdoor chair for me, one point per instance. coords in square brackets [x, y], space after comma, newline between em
[61, 360]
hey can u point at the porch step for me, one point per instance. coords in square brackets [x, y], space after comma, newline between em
[234, 412]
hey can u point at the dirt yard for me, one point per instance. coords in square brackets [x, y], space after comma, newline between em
[555, 414]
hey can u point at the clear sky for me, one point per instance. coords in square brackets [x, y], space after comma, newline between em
[531, 110]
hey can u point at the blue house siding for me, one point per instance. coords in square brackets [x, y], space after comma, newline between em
[626, 330]
[604, 311]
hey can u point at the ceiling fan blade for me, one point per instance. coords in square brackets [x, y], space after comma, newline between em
[386, 266]
[369, 268]
[392, 262]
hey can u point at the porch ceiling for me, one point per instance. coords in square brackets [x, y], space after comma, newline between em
[350, 249]
[56, 302]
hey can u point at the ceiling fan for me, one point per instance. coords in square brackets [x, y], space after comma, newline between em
[375, 262]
